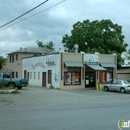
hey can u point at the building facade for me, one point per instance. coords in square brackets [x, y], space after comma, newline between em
[70, 70]
[14, 60]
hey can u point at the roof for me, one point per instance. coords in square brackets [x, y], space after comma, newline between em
[37, 50]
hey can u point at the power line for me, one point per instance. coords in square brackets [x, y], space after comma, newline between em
[23, 14]
[34, 14]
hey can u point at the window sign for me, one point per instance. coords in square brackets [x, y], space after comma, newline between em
[50, 59]
[72, 78]
[91, 59]
[109, 77]
[67, 78]
[102, 77]
[75, 78]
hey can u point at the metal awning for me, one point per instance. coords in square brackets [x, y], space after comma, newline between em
[96, 67]
[112, 65]
[73, 64]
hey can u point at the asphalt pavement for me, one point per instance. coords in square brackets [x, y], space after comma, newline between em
[36, 108]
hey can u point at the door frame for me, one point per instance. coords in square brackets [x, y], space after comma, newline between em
[94, 73]
[43, 79]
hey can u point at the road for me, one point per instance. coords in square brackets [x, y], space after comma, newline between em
[50, 109]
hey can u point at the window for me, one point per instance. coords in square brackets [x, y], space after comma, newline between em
[30, 75]
[12, 58]
[72, 78]
[16, 74]
[119, 82]
[12, 75]
[106, 77]
[38, 75]
[34, 75]
[16, 56]
[123, 62]
[49, 76]
[25, 74]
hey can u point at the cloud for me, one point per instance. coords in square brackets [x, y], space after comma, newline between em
[54, 23]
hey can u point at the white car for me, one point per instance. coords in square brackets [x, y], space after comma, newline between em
[120, 86]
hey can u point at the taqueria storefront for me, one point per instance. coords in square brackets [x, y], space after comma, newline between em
[70, 70]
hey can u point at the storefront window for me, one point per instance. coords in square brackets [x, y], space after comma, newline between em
[109, 77]
[106, 77]
[75, 78]
[72, 78]
[102, 77]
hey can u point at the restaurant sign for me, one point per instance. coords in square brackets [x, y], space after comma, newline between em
[50, 59]
[91, 59]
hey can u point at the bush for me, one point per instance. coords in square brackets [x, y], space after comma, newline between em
[2, 86]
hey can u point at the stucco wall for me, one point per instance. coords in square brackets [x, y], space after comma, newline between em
[29, 64]
[16, 65]
[123, 73]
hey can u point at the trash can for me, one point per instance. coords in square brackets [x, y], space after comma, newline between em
[99, 87]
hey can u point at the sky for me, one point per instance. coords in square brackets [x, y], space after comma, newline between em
[51, 24]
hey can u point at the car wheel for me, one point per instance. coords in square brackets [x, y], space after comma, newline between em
[106, 88]
[19, 87]
[122, 90]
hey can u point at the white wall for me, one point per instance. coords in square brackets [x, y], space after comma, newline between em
[29, 64]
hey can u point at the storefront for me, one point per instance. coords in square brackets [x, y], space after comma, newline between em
[70, 70]
[92, 69]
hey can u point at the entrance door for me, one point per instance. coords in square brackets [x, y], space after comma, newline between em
[90, 79]
[44, 79]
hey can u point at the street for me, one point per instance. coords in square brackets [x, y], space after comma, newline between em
[52, 109]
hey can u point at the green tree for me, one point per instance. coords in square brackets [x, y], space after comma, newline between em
[2, 62]
[102, 36]
[49, 45]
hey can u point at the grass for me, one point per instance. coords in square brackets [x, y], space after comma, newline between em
[7, 90]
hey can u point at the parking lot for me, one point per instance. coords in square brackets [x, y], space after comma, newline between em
[53, 109]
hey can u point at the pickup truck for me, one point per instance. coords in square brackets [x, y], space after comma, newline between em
[15, 82]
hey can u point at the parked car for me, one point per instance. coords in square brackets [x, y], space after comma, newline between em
[120, 86]
[15, 82]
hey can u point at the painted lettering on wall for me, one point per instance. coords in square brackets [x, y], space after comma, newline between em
[56, 77]
[39, 64]
[50, 59]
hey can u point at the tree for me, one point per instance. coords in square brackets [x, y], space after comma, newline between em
[2, 62]
[49, 45]
[96, 36]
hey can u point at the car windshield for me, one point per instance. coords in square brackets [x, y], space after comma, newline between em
[126, 82]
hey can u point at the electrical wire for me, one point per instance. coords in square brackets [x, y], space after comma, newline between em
[33, 15]
[23, 14]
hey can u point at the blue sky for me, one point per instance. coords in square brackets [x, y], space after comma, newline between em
[54, 23]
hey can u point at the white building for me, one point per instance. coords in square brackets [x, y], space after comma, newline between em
[37, 68]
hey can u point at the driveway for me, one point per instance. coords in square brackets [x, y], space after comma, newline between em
[52, 109]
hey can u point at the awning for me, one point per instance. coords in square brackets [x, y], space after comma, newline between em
[73, 64]
[96, 67]
[112, 65]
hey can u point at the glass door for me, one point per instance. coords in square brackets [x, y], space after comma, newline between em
[90, 79]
